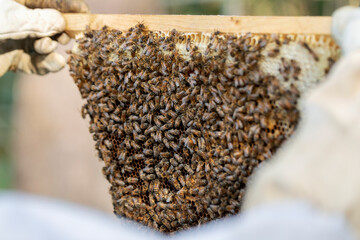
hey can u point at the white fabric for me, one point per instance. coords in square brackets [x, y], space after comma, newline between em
[285, 221]
[19, 22]
[34, 218]
[321, 162]
[17, 52]
[346, 28]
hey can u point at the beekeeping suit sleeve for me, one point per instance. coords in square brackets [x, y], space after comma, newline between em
[25, 216]
[320, 164]
[29, 217]
[27, 37]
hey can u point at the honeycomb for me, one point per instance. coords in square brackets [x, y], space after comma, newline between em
[181, 120]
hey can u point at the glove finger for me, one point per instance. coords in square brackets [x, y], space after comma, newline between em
[23, 63]
[52, 62]
[63, 39]
[77, 6]
[7, 60]
[340, 19]
[19, 22]
[45, 45]
[65, 6]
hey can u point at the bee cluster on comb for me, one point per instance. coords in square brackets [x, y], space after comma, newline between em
[181, 120]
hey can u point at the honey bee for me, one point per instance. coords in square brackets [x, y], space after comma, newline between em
[174, 146]
[181, 193]
[273, 52]
[128, 128]
[122, 156]
[152, 200]
[193, 191]
[135, 145]
[188, 44]
[173, 162]
[151, 130]
[166, 126]
[188, 169]
[313, 54]
[201, 143]
[182, 180]
[136, 192]
[149, 161]
[156, 218]
[142, 175]
[127, 143]
[178, 158]
[149, 142]
[175, 183]
[128, 189]
[170, 197]
[148, 169]
[149, 117]
[166, 224]
[150, 177]
[162, 205]
[115, 118]
[157, 122]
[158, 136]
[156, 186]
[285, 103]
[211, 212]
[139, 156]
[119, 182]
[128, 168]
[165, 167]
[169, 136]
[108, 144]
[145, 108]
[156, 151]
[165, 154]
[246, 151]
[130, 206]
[220, 112]
[148, 152]
[231, 178]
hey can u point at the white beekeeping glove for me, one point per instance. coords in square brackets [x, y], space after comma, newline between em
[27, 40]
[346, 28]
[321, 163]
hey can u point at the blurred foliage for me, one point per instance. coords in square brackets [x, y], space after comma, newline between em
[293, 7]
[194, 7]
[6, 86]
[258, 7]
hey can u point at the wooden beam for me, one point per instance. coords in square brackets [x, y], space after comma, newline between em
[197, 23]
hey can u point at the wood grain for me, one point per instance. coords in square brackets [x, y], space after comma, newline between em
[196, 23]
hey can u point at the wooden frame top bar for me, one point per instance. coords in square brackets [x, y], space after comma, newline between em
[202, 23]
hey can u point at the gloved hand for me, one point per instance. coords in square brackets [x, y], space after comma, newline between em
[320, 164]
[346, 28]
[27, 36]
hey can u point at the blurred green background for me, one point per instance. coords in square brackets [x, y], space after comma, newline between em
[256, 7]
[6, 100]
[229, 7]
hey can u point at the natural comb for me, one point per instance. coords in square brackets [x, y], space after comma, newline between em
[182, 119]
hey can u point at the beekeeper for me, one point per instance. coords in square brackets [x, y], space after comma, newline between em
[309, 190]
